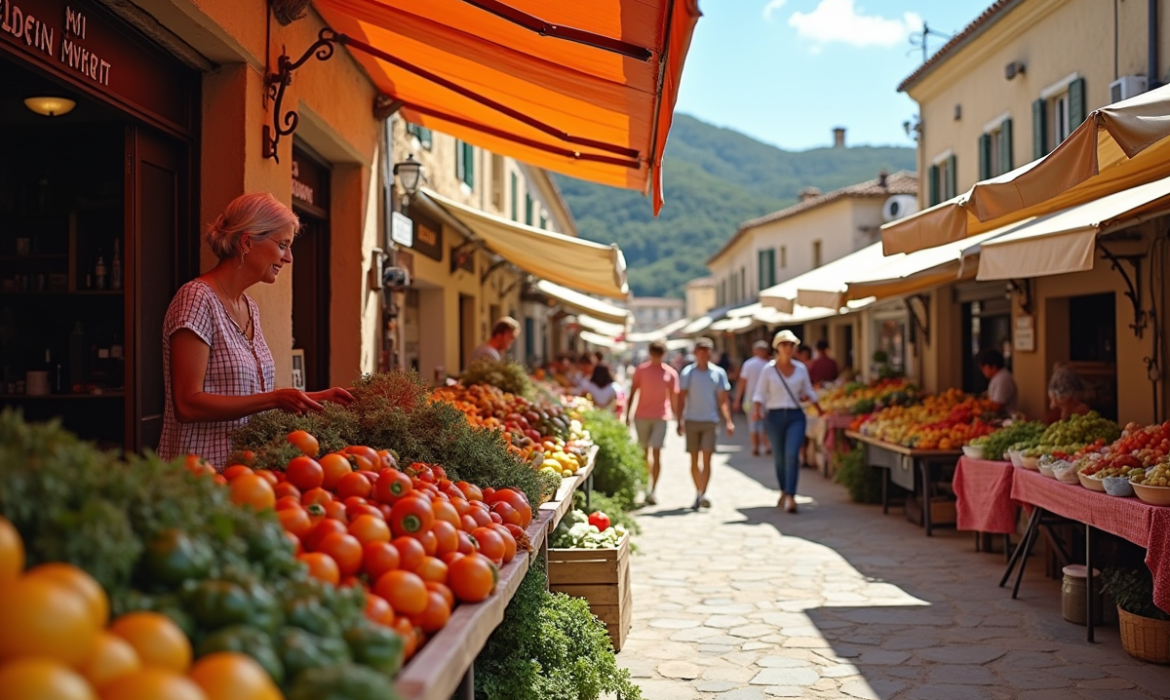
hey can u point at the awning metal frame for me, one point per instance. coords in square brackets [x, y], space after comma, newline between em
[1133, 285]
[276, 83]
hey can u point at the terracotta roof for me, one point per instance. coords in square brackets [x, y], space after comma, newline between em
[901, 182]
[992, 14]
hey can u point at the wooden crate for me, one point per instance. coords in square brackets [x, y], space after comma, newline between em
[600, 576]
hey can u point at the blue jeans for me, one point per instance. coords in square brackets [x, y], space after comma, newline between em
[786, 432]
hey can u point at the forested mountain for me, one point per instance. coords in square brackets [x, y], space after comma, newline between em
[713, 179]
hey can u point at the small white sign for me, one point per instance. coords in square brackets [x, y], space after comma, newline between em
[1025, 334]
[402, 229]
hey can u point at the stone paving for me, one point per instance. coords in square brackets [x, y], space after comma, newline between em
[745, 602]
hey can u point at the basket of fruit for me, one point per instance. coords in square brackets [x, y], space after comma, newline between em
[1153, 486]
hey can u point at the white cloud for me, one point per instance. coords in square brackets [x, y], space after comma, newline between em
[839, 21]
[772, 7]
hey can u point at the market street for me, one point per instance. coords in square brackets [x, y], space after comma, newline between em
[745, 602]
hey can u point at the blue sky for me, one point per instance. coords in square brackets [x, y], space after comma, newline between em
[788, 71]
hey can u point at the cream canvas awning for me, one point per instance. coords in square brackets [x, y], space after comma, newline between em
[577, 301]
[572, 262]
[1118, 147]
[731, 325]
[602, 341]
[610, 330]
[820, 287]
[659, 334]
[1066, 241]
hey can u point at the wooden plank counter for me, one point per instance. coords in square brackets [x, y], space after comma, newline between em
[906, 467]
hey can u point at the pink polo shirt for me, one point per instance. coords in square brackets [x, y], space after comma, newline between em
[656, 385]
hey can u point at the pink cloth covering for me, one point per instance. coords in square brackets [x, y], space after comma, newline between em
[983, 492]
[835, 423]
[1138, 522]
[656, 387]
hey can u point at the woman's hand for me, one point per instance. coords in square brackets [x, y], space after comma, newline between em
[335, 395]
[294, 401]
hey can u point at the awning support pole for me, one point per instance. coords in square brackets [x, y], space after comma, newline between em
[285, 124]
[1134, 285]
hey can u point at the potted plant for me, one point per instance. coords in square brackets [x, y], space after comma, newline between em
[1145, 628]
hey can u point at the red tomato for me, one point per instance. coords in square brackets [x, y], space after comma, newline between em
[321, 566]
[411, 516]
[495, 518]
[410, 552]
[336, 465]
[368, 528]
[357, 511]
[305, 473]
[366, 458]
[353, 484]
[269, 476]
[481, 518]
[434, 615]
[345, 550]
[442, 590]
[391, 486]
[378, 558]
[446, 537]
[378, 610]
[288, 502]
[472, 578]
[450, 557]
[468, 523]
[286, 488]
[461, 506]
[466, 543]
[236, 470]
[491, 544]
[507, 513]
[444, 511]
[320, 531]
[336, 510]
[509, 542]
[318, 495]
[352, 501]
[386, 460]
[432, 569]
[429, 542]
[297, 547]
[295, 520]
[304, 442]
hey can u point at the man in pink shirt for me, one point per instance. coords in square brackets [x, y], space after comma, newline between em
[655, 387]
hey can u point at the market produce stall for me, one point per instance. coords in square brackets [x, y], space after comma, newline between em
[917, 471]
[983, 496]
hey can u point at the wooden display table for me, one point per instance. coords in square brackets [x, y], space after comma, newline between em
[907, 467]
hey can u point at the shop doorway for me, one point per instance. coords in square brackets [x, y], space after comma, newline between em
[310, 269]
[987, 323]
[1092, 345]
[466, 329]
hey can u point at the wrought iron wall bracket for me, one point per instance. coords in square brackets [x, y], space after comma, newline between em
[285, 123]
[488, 272]
[1133, 285]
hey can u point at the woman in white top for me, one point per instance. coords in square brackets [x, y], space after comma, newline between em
[782, 386]
[601, 388]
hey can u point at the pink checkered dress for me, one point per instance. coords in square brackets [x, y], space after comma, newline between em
[236, 367]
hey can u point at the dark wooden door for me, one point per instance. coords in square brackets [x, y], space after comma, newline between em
[157, 213]
[310, 271]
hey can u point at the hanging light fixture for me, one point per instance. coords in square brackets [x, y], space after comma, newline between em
[50, 105]
[409, 173]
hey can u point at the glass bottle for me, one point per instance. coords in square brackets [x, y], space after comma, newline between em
[116, 266]
[99, 272]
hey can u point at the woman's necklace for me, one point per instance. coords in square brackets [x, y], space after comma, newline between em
[235, 309]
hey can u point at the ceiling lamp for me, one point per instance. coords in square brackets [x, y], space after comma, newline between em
[50, 106]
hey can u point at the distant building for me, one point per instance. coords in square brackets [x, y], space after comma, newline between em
[700, 296]
[652, 313]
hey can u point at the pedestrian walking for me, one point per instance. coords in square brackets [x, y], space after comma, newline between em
[655, 386]
[601, 388]
[745, 389]
[783, 385]
[704, 394]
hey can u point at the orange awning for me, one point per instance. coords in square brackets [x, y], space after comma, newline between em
[586, 89]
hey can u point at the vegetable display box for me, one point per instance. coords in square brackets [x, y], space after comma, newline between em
[600, 576]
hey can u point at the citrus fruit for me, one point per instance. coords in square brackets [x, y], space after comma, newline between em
[153, 684]
[11, 551]
[42, 678]
[112, 658]
[45, 617]
[232, 676]
[81, 583]
[157, 639]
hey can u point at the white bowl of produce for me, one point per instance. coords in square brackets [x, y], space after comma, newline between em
[1118, 486]
[973, 451]
[1016, 457]
[1032, 463]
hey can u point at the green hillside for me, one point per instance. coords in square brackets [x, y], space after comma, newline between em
[713, 179]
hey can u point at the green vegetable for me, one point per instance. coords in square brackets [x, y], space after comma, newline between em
[173, 557]
[310, 615]
[342, 682]
[507, 376]
[376, 646]
[245, 639]
[621, 469]
[300, 651]
[216, 604]
[863, 482]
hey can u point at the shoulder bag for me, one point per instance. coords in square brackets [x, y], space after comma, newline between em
[786, 387]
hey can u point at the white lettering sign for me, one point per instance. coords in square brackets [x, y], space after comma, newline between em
[402, 229]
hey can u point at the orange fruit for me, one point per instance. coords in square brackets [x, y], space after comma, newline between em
[112, 658]
[41, 678]
[153, 684]
[252, 490]
[44, 617]
[80, 583]
[232, 676]
[11, 551]
[157, 639]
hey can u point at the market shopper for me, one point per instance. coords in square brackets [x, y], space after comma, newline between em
[703, 395]
[823, 369]
[218, 370]
[601, 388]
[655, 387]
[804, 355]
[504, 333]
[1066, 394]
[1001, 387]
[745, 388]
[777, 400]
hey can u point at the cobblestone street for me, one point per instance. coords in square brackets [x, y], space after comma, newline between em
[745, 602]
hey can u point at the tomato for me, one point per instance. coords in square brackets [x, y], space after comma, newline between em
[517, 500]
[386, 511]
[439, 472]
[295, 520]
[357, 511]
[294, 542]
[42, 678]
[488, 493]
[319, 496]
[466, 543]
[252, 490]
[481, 518]
[219, 479]
[442, 590]
[405, 629]
[236, 470]
[472, 578]
[450, 557]
[336, 465]
[435, 615]
[198, 466]
[491, 544]
[112, 657]
[305, 473]
[429, 542]
[444, 511]
[507, 513]
[404, 591]
[378, 558]
[157, 639]
[470, 491]
[368, 528]
[411, 516]
[321, 530]
[321, 567]
[304, 442]
[432, 569]
[461, 506]
[352, 501]
[467, 523]
[269, 476]
[286, 489]
[495, 518]
[411, 552]
[446, 537]
[509, 542]
[353, 582]
[227, 674]
[386, 460]
[391, 486]
[371, 476]
[283, 502]
[353, 484]
[46, 617]
[378, 610]
[365, 457]
[345, 549]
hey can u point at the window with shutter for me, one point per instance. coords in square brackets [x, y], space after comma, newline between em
[743, 283]
[1076, 103]
[1006, 161]
[469, 164]
[1039, 128]
[528, 209]
[933, 184]
[761, 258]
[985, 164]
[771, 267]
[421, 133]
[952, 188]
[515, 198]
[783, 257]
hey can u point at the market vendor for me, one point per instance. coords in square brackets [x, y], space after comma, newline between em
[218, 371]
[504, 333]
[1065, 394]
[1001, 387]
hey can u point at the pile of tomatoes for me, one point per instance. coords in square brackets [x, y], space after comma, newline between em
[416, 541]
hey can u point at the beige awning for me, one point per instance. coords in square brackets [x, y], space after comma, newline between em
[573, 262]
[610, 330]
[583, 303]
[660, 333]
[1066, 241]
[602, 341]
[822, 286]
[731, 325]
[1118, 147]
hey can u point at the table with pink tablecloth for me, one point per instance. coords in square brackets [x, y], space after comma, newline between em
[835, 423]
[1138, 522]
[983, 496]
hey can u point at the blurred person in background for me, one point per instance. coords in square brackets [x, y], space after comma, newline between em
[745, 388]
[804, 355]
[1001, 386]
[823, 369]
[703, 397]
[601, 388]
[655, 391]
[1066, 393]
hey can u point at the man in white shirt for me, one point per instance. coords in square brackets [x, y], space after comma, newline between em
[503, 335]
[745, 388]
[1001, 387]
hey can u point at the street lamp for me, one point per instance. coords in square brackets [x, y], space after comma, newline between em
[409, 173]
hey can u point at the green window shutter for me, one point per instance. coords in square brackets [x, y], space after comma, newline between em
[933, 184]
[1039, 128]
[469, 164]
[459, 160]
[528, 209]
[515, 189]
[424, 137]
[952, 177]
[984, 156]
[1076, 103]
[543, 221]
[1005, 146]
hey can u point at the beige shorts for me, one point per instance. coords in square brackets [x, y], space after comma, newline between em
[651, 432]
[700, 435]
